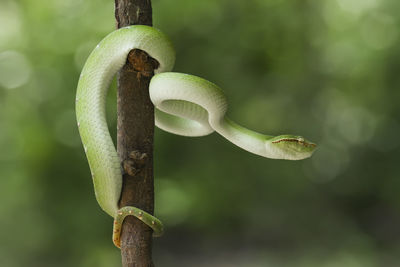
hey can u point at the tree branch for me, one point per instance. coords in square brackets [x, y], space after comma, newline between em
[135, 137]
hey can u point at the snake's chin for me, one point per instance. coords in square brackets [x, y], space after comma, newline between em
[290, 147]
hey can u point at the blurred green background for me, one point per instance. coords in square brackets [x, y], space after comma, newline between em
[327, 70]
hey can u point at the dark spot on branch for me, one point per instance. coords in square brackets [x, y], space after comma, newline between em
[140, 62]
[136, 162]
[129, 167]
[139, 157]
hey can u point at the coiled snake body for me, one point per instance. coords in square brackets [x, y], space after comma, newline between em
[185, 105]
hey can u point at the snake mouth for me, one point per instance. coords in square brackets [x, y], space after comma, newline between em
[299, 141]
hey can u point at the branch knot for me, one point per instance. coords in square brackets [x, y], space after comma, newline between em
[139, 61]
[135, 163]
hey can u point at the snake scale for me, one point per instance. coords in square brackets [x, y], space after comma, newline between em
[185, 105]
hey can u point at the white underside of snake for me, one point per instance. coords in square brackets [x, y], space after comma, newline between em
[185, 105]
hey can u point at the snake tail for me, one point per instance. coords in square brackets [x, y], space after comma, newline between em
[146, 218]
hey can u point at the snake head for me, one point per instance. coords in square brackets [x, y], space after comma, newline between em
[291, 147]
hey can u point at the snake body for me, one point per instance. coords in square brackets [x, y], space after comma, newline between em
[185, 105]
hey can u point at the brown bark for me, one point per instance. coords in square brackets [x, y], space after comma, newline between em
[135, 137]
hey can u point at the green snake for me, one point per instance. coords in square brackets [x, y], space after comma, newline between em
[185, 105]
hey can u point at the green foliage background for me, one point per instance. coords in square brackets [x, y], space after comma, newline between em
[327, 70]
